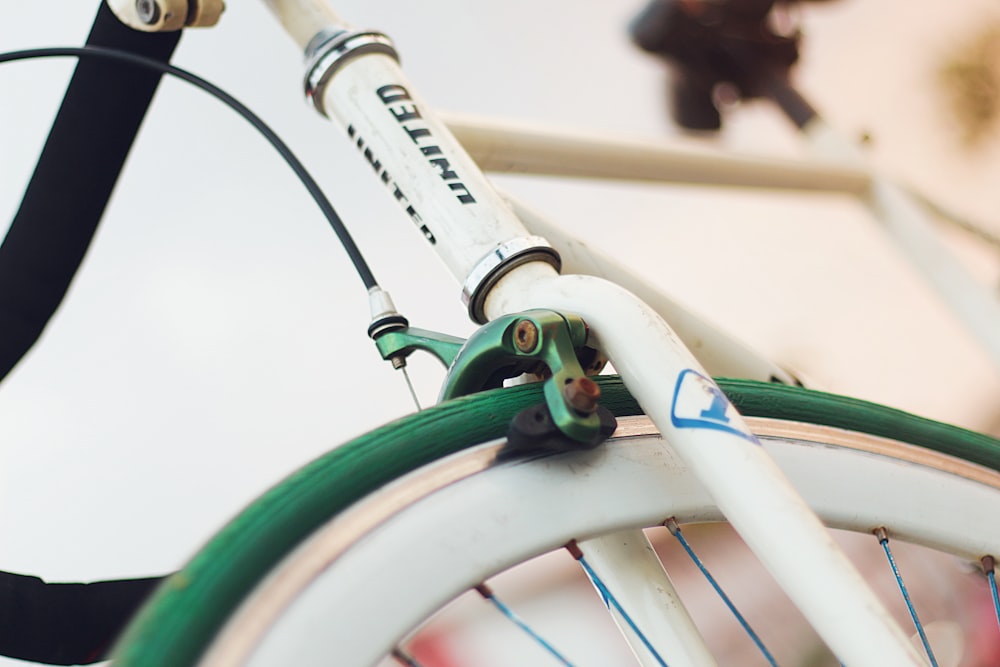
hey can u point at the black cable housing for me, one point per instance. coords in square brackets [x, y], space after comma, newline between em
[353, 253]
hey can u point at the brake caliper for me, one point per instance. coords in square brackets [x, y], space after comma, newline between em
[546, 344]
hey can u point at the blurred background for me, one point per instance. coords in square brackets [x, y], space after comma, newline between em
[215, 337]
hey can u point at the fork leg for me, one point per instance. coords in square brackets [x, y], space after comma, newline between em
[709, 435]
[630, 568]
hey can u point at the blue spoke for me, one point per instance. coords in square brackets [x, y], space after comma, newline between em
[611, 601]
[405, 658]
[883, 538]
[988, 567]
[675, 530]
[483, 590]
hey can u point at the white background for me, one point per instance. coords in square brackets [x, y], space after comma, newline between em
[215, 338]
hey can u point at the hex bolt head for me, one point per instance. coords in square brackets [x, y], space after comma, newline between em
[525, 335]
[582, 394]
[148, 11]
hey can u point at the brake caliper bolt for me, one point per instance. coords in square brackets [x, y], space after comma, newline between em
[525, 336]
[582, 394]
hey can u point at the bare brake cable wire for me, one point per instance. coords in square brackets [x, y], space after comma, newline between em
[353, 253]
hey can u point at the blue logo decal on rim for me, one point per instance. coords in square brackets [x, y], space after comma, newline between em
[699, 403]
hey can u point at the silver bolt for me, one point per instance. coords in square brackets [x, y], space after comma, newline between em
[148, 11]
[525, 336]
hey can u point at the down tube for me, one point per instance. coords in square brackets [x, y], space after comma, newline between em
[709, 435]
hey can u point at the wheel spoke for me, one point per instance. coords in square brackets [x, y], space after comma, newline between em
[883, 538]
[611, 602]
[675, 530]
[488, 594]
[989, 564]
[626, 562]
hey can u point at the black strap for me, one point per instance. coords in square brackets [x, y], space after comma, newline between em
[68, 624]
[65, 624]
[64, 201]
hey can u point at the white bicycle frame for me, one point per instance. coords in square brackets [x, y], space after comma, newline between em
[357, 81]
[472, 228]
[475, 231]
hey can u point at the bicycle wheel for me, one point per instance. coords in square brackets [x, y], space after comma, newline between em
[333, 535]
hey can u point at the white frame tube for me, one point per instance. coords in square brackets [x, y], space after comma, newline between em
[504, 146]
[751, 491]
[422, 166]
[303, 19]
[907, 222]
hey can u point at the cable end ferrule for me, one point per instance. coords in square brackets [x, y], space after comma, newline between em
[385, 317]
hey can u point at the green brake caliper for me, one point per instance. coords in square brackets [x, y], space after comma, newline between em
[540, 342]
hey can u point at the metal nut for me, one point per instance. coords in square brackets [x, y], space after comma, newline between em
[582, 394]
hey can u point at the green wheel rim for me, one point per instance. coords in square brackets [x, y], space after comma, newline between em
[168, 632]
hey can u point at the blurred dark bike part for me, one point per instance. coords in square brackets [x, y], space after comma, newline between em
[721, 51]
[970, 81]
